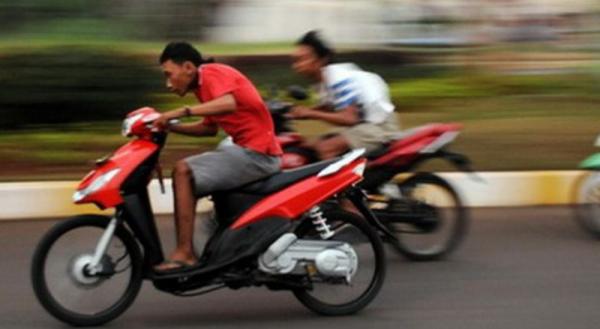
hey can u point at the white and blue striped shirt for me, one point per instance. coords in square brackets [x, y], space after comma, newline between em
[346, 84]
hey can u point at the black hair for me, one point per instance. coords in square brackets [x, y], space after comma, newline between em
[180, 52]
[320, 47]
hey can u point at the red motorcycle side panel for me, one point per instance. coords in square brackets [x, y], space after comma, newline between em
[127, 158]
[296, 199]
[406, 149]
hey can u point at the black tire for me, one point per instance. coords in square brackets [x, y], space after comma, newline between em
[44, 291]
[587, 204]
[456, 223]
[340, 220]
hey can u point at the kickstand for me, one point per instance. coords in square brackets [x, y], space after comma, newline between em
[160, 178]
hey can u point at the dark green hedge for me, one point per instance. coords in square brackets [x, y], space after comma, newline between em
[73, 84]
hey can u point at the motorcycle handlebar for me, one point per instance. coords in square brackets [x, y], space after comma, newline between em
[172, 122]
[277, 107]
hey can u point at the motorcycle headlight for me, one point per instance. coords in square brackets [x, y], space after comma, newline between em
[97, 184]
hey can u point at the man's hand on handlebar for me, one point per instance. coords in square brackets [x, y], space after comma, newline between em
[300, 112]
[167, 119]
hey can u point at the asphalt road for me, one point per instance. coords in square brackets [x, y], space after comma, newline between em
[519, 268]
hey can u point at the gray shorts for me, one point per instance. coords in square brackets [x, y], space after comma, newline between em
[369, 135]
[228, 167]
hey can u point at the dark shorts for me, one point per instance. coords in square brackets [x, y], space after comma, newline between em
[229, 166]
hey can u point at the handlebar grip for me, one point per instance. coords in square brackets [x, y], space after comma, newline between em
[171, 122]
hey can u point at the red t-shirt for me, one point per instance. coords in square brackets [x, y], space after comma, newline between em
[251, 125]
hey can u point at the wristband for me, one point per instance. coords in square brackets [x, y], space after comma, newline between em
[188, 111]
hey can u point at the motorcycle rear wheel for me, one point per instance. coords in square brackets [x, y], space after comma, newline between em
[330, 298]
[440, 234]
[67, 290]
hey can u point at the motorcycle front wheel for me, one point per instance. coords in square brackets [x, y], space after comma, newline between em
[341, 298]
[63, 283]
[429, 220]
[588, 204]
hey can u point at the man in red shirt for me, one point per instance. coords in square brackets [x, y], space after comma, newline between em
[228, 101]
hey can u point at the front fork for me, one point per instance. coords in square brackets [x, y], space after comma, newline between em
[94, 266]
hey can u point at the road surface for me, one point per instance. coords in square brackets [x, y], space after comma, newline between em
[519, 268]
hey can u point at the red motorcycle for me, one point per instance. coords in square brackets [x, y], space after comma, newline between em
[423, 210]
[87, 270]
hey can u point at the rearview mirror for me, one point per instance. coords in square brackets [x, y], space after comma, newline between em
[297, 92]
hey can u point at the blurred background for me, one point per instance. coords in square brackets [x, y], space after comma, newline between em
[522, 76]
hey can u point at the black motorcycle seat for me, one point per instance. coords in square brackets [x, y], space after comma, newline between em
[379, 151]
[284, 179]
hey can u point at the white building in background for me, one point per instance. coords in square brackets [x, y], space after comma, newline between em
[379, 21]
[285, 20]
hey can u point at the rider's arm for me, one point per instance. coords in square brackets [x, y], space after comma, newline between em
[348, 116]
[221, 105]
[195, 129]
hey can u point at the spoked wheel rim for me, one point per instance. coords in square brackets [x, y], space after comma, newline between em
[70, 289]
[69, 280]
[338, 296]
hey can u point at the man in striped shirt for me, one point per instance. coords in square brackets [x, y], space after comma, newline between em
[349, 97]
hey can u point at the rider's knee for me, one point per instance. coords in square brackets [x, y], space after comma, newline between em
[182, 169]
[330, 148]
[322, 151]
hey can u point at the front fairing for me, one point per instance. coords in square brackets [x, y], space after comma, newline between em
[592, 162]
[124, 161]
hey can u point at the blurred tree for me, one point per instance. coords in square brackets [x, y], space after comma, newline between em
[16, 14]
[73, 84]
[167, 20]
[141, 19]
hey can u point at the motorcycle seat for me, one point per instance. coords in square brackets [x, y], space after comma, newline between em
[376, 153]
[285, 178]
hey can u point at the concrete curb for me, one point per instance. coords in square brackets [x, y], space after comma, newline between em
[36, 200]
[510, 189]
[498, 189]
